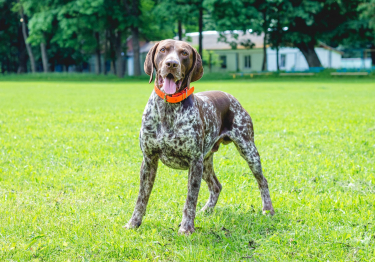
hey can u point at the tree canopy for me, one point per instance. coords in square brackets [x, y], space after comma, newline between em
[40, 35]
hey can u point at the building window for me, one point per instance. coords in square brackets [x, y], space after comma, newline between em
[247, 61]
[223, 61]
[283, 61]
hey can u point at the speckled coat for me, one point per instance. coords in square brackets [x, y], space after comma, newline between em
[186, 135]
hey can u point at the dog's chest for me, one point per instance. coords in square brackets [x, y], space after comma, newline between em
[172, 132]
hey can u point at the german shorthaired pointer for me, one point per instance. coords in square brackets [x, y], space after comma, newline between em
[184, 130]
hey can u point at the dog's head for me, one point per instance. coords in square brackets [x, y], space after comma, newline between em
[177, 64]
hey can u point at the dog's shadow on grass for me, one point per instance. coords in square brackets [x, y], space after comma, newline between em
[228, 222]
[232, 219]
[231, 231]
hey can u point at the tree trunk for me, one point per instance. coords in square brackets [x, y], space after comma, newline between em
[105, 52]
[309, 53]
[277, 58]
[264, 65]
[201, 29]
[43, 51]
[179, 30]
[98, 66]
[265, 27]
[119, 59]
[372, 53]
[113, 66]
[136, 13]
[52, 66]
[135, 41]
[8, 65]
[22, 53]
[28, 47]
[279, 38]
[112, 51]
[209, 62]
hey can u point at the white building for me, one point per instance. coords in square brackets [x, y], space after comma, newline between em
[248, 60]
[244, 59]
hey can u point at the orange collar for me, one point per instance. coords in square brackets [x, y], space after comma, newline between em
[175, 98]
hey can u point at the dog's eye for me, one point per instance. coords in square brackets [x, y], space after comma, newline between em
[162, 50]
[184, 53]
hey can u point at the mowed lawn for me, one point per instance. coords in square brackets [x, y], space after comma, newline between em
[70, 161]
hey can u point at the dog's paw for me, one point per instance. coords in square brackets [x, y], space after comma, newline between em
[132, 225]
[270, 212]
[186, 231]
[207, 209]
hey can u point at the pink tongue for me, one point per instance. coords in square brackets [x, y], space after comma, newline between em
[169, 86]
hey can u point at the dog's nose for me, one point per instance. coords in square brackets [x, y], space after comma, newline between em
[171, 63]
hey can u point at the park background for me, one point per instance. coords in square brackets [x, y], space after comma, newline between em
[113, 36]
[70, 115]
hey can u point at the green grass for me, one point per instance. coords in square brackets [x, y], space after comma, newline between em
[70, 160]
[89, 77]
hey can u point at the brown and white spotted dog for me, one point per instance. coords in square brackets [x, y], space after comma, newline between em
[185, 135]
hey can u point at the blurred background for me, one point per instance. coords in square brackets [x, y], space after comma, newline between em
[232, 36]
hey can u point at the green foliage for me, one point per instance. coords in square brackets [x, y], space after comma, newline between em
[9, 37]
[78, 20]
[69, 176]
[299, 23]
[310, 21]
[367, 14]
[236, 15]
[155, 26]
[214, 60]
[368, 11]
[70, 28]
[169, 12]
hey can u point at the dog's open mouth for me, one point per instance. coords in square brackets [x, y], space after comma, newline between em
[170, 84]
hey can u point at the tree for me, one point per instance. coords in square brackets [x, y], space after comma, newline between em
[19, 7]
[147, 22]
[310, 21]
[8, 31]
[175, 12]
[136, 11]
[133, 15]
[93, 27]
[277, 27]
[81, 24]
[367, 33]
[13, 50]
[241, 15]
[200, 8]
[188, 14]
[41, 25]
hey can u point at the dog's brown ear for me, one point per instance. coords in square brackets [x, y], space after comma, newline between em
[149, 62]
[196, 71]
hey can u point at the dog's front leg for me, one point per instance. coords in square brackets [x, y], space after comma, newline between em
[194, 183]
[147, 178]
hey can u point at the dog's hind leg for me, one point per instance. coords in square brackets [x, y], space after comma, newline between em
[246, 147]
[213, 183]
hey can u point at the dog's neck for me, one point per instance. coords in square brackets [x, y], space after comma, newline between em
[169, 113]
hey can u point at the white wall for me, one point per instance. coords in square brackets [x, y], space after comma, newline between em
[295, 60]
[356, 63]
[328, 58]
[236, 58]
[256, 60]
[130, 66]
